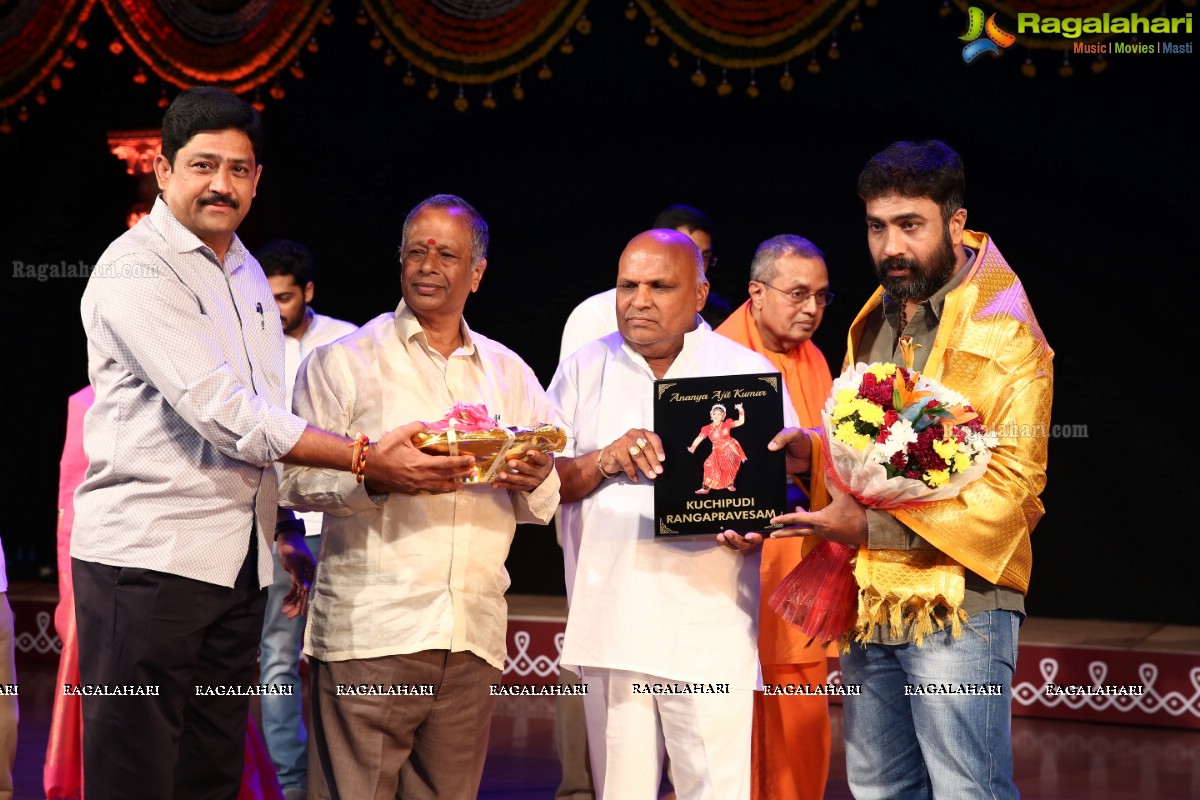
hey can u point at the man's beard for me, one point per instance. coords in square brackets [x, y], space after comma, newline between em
[295, 322]
[923, 280]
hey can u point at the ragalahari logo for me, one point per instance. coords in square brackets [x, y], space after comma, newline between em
[997, 38]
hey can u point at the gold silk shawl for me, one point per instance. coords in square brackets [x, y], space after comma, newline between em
[990, 348]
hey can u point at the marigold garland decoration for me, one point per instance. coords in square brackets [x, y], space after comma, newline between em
[475, 41]
[34, 36]
[743, 34]
[240, 45]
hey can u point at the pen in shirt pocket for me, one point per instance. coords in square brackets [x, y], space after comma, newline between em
[262, 322]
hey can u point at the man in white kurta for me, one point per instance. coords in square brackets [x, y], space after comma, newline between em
[664, 632]
[410, 587]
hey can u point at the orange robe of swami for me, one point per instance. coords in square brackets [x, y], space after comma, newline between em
[790, 746]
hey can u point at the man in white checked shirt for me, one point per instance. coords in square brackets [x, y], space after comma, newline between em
[172, 544]
[410, 592]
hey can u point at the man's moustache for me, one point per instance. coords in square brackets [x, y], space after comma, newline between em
[213, 199]
[902, 263]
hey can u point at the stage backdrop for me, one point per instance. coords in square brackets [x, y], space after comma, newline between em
[1082, 167]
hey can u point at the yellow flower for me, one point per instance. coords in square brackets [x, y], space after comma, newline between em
[868, 412]
[946, 448]
[846, 433]
[844, 403]
[936, 477]
[962, 462]
[881, 371]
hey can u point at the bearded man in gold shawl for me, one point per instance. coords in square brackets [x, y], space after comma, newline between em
[942, 585]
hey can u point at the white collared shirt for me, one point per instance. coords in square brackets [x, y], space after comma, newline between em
[414, 572]
[685, 611]
[594, 318]
[321, 330]
[185, 354]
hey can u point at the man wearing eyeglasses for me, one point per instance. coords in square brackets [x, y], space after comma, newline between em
[789, 290]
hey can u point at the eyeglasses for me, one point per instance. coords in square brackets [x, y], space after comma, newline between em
[710, 261]
[799, 297]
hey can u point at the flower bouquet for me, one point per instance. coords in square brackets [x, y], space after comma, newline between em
[892, 438]
[468, 429]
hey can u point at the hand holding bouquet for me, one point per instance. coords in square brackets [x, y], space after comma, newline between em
[892, 438]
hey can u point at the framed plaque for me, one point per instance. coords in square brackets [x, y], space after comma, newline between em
[718, 474]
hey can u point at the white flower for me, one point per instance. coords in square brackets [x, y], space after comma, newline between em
[900, 435]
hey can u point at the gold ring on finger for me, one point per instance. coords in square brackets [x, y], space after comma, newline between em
[634, 451]
[642, 443]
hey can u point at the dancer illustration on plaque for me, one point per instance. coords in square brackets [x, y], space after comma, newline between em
[722, 465]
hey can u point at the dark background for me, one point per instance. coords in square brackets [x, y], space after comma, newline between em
[1088, 185]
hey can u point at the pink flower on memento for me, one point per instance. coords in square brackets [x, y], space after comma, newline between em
[465, 417]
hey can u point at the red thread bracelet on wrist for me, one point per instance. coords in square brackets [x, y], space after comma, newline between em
[358, 461]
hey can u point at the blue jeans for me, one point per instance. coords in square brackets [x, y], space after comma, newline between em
[279, 663]
[908, 744]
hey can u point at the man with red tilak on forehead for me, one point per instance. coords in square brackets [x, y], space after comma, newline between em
[410, 588]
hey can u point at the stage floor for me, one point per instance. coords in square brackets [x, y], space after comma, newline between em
[1055, 759]
[1081, 754]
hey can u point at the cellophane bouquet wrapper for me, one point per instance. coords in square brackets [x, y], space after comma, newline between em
[468, 429]
[892, 438]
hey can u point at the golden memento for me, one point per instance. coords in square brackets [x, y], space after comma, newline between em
[467, 430]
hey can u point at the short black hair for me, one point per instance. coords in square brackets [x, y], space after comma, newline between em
[285, 257]
[680, 216]
[207, 108]
[916, 169]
